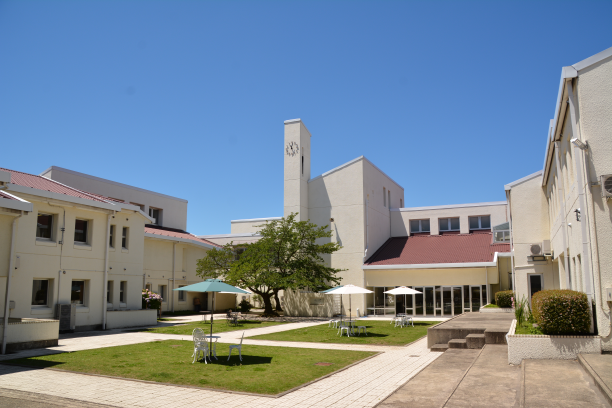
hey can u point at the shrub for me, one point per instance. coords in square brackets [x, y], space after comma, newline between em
[504, 298]
[561, 311]
[245, 306]
[151, 300]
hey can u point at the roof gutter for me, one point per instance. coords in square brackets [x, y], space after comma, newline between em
[176, 239]
[439, 265]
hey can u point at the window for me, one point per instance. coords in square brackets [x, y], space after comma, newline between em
[142, 207]
[510, 280]
[122, 291]
[148, 287]
[401, 203]
[384, 196]
[419, 226]
[302, 165]
[77, 293]
[111, 240]
[109, 292]
[501, 236]
[449, 224]
[182, 294]
[480, 222]
[238, 252]
[124, 238]
[162, 292]
[40, 292]
[389, 198]
[80, 231]
[155, 213]
[44, 226]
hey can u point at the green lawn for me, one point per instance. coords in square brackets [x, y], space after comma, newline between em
[491, 305]
[379, 332]
[220, 326]
[527, 328]
[264, 370]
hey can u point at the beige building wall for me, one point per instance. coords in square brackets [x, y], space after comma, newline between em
[432, 277]
[400, 217]
[250, 225]
[174, 210]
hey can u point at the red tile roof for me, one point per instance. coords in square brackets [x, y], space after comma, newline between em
[175, 233]
[42, 183]
[430, 249]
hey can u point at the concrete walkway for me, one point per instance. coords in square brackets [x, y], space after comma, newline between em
[362, 385]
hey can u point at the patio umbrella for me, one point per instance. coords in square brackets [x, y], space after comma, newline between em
[334, 288]
[214, 286]
[347, 290]
[403, 290]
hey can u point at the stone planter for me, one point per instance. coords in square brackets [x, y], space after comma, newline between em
[535, 346]
[496, 310]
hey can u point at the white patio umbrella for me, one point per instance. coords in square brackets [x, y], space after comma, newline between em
[403, 290]
[347, 290]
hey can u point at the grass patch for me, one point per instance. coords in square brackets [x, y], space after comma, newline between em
[491, 305]
[527, 328]
[263, 370]
[219, 327]
[379, 332]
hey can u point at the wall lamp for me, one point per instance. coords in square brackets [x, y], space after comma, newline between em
[579, 144]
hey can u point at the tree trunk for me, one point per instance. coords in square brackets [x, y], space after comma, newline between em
[277, 300]
[268, 309]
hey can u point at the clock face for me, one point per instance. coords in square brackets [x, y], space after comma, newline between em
[292, 149]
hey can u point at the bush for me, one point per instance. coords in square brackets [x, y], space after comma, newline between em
[504, 298]
[245, 306]
[561, 311]
[151, 300]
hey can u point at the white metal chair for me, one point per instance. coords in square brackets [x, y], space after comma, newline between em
[237, 347]
[334, 322]
[346, 329]
[199, 345]
[214, 349]
[359, 328]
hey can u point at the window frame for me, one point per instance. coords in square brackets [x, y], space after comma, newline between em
[125, 237]
[161, 289]
[112, 236]
[47, 294]
[109, 292]
[159, 214]
[86, 232]
[83, 299]
[385, 197]
[448, 219]
[420, 226]
[480, 227]
[122, 292]
[51, 232]
[182, 294]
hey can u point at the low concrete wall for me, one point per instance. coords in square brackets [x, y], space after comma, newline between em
[534, 346]
[496, 310]
[131, 318]
[31, 333]
[299, 303]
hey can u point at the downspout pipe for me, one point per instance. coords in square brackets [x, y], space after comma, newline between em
[173, 271]
[105, 285]
[8, 282]
[562, 210]
[586, 254]
[511, 241]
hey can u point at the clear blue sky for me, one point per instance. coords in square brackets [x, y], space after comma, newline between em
[188, 98]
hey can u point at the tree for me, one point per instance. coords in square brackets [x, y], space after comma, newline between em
[286, 257]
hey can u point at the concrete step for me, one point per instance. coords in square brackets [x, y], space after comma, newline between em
[599, 368]
[457, 344]
[439, 347]
[495, 336]
[475, 341]
[559, 383]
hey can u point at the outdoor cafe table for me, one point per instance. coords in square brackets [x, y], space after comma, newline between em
[204, 313]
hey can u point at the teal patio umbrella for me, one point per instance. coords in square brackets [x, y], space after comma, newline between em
[214, 286]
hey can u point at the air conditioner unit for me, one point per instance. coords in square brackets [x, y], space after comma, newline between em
[66, 314]
[536, 249]
[606, 185]
[546, 249]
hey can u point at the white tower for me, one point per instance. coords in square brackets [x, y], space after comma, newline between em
[297, 168]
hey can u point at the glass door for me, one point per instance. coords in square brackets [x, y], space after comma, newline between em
[476, 301]
[409, 303]
[438, 300]
[400, 304]
[535, 285]
[467, 306]
[429, 300]
[457, 300]
[418, 302]
[447, 301]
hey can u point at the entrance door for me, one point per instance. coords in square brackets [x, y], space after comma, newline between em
[418, 302]
[429, 300]
[535, 285]
[399, 304]
[476, 302]
[447, 301]
[457, 300]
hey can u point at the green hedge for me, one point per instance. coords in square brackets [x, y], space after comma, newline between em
[504, 298]
[561, 311]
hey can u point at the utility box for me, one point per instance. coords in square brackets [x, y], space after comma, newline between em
[66, 314]
[609, 294]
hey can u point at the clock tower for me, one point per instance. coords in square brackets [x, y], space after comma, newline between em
[297, 168]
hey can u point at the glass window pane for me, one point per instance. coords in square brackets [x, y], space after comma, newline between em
[418, 302]
[499, 236]
[109, 288]
[443, 224]
[414, 226]
[44, 226]
[485, 221]
[80, 231]
[112, 236]
[473, 223]
[40, 290]
[429, 301]
[425, 225]
[389, 299]
[77, 293]
[438, 297]
[484, 295]
[454, 223]
[379, 297]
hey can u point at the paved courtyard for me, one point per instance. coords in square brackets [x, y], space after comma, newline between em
[362, 385]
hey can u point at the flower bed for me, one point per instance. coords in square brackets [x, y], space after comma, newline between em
[537, 346]
[495, 309]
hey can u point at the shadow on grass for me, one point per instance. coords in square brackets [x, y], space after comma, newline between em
[235, 360]
[32, 363]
